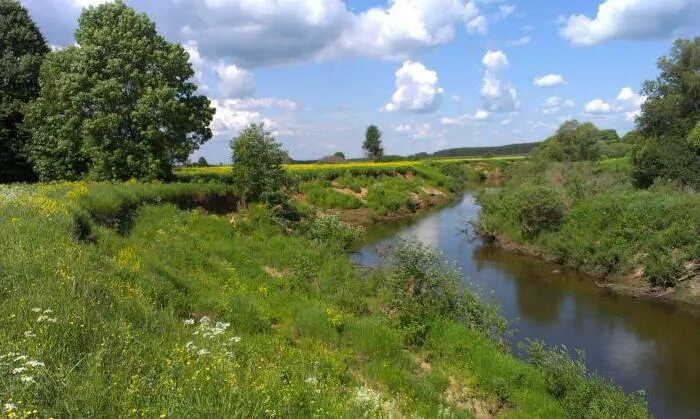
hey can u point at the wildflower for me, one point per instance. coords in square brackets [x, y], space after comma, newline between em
[205, 321]
[27, 379]
[190, 346]
[9, 407]
[312, 380]
[21, 358]
[34, 363]
[29, 334]
[235, 339]
[36, 310]
[48, 311]
[42, 318]
[18, 370]
[10, 355]
[188, 322]
[52, 320]
[202, 352]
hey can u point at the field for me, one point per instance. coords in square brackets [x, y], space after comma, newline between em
[152, 300]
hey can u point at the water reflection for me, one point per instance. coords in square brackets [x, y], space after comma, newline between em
[641, 344]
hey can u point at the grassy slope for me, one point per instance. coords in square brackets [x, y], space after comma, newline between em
[282, 325]
[609, 227]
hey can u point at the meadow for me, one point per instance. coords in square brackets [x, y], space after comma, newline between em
[157, 300]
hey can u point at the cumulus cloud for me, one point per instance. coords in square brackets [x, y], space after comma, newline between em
[234, 81]
[416, 89]
[630, 19]
[480, 115]
[549, 80]
[497, 95]
[554, 104]
[252, 33]
[598, 106]
[505, 10]
[631, 102]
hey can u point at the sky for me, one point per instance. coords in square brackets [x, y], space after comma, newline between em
[431, 74]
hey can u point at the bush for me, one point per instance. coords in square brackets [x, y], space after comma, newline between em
[583, 395]
[540, 208]
[330, 230]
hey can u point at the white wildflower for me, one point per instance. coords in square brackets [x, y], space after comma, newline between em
[367, 398]
[188, 322]
[190, 346]
[202, 352]
[9, 407]
[18, 370]
[48, 311]
[36, 310]
[34, 363]
[10, 355]
[29, 334]
[205, 321]
[42, 318]
[27, 379]
[21, 358]
[312, 380]
[52, 320]
[235, 339]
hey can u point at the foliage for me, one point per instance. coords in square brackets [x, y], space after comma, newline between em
[575, 141]
[373, 143]
[424, 288]
[259, 174]
[22, 48]
[583, 395]
[119, 105]
[610, 228]
[202, 162]
[330, 230]
[541, 208]
[669, 118]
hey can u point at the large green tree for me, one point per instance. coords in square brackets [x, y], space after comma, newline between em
[22, 48]
[119, 105]
[669, 119]
[373, 143]
[575, 141]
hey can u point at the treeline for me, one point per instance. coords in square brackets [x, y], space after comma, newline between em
[504, 150]
[119, 104]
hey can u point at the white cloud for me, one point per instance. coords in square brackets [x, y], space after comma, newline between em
[497, 95]
[494, 60]
[461, 120]
[402, 128]
[504, 11]
[631, 102]
[416, 89]
[598, 106]
[478, 25]
[229, 120]
[258, 103]
[234, 81]
[549, 80]
[554, 103]
[631, 19]
[525, 40]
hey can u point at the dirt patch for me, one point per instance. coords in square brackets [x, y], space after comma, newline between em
[460, 395]
[432, 191]
[274, 272]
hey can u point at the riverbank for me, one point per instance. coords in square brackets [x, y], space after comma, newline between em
[129, 293]
[589, 217]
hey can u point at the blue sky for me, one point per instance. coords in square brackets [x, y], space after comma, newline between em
[432, 74]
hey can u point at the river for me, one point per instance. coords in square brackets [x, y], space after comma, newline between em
[638, 343]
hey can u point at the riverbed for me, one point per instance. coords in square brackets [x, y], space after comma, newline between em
[641, 344]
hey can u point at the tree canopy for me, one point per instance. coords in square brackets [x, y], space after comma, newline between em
[576, 141]
[668, 123]
[119, 105]
[22, 48]
[373, 143]
[258, 172]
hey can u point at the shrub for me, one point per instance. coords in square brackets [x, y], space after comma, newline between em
[540, 208]
[330, 230]
[582, 394]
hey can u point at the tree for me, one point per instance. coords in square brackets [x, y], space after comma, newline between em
[574, 141]
[202, 162]
[258, 173]
[22, 49]
[339, 154]
[120, 105]
[373, 143]
[669, 118]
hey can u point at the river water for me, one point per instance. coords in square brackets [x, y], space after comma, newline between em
[639, 343]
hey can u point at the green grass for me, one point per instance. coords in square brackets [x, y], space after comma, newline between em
[186, 314]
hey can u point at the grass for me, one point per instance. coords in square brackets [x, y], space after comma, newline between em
[607, 226]
[187, 314]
